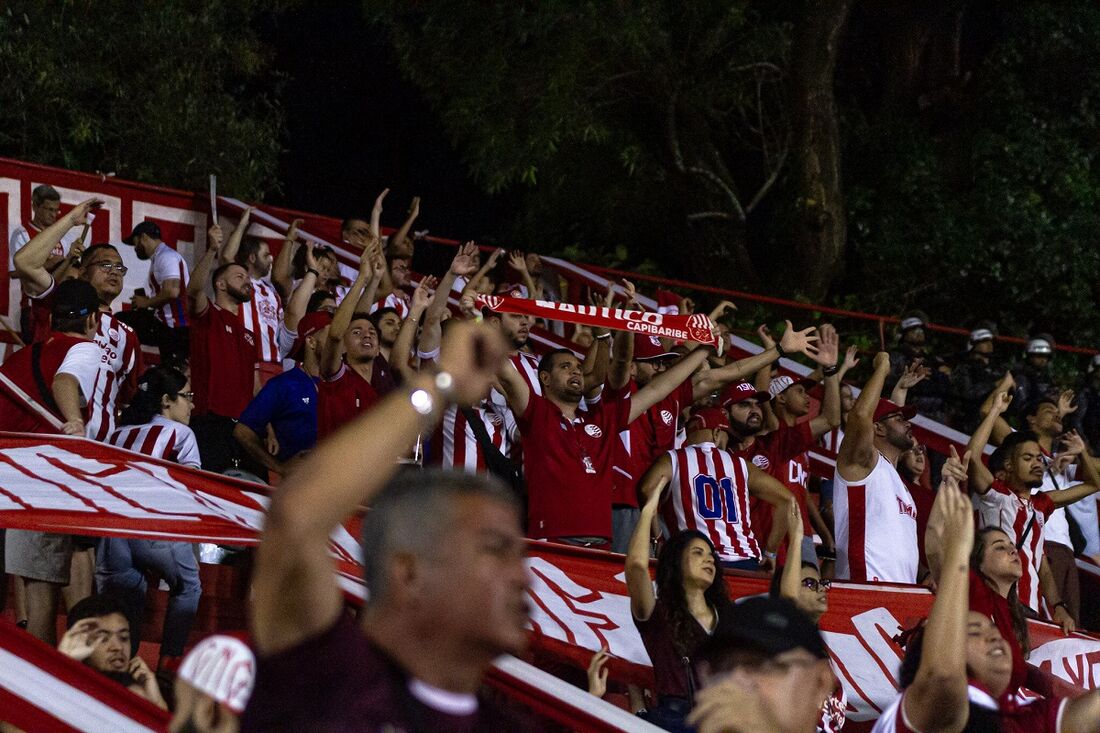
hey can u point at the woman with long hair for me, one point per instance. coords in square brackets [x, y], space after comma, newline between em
[155, 423]
[690, 600]
[994, 569]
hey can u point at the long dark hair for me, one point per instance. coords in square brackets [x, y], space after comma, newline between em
[670, 588]
[1015, 608]
[155, 383]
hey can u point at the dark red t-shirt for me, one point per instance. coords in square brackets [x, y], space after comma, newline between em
[647, 438]
[782, 453]
[669, 670]
[340, 682]
[987, 602]
[341, 399]
[568, 465]
[223, 362]
[922, 501]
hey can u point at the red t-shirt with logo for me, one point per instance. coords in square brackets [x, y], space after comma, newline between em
[782, 453]
[568, 465]
[223, 362]
[646, 439]
[341, 398]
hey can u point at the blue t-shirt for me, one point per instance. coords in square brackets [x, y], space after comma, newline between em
[288, 403]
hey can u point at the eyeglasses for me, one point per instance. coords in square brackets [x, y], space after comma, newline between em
[189, 396]
[817, 585]
[120, 268]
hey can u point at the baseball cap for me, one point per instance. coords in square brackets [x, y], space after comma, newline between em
[1039, 346]
[769, 625]
[650, 348]
[146, 227]
[310, 324]
[224, 668]
[783, 383]
[885, 408]
[708, 418]
[74, 298]
[741, 391]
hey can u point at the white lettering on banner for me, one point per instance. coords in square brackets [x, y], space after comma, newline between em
[571, 613]
[1075, 660]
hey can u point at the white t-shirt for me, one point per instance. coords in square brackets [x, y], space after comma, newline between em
[82, 362]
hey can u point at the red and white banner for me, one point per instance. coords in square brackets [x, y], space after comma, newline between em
[695, 327]
[579, 597]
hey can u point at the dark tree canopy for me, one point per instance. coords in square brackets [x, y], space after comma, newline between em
[164, 92]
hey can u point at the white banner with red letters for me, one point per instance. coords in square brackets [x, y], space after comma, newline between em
[695, 327]
[578, 597]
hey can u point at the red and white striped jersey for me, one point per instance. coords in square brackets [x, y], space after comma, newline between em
[1002, 507]
[397, 300]
[876, 527]
[709, 492]
[459, 448]
[160, 438]
[168, 264]
[121, 360]
[528, 367]
[263, 316]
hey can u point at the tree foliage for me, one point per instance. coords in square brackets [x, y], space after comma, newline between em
[162, 92]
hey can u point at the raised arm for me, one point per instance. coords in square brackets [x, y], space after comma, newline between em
[936, 701]
[664, 383]
[792, 342]
[196, 288]
[280, 268]
[1001, 428]
[827, 354]
[296, 305]
[791, 580]
[515, 389]
[911, 376]
[638, 582]
[233, 244]
[341, 319]
[379, 275]
[422, 299]
[490, 263]
[30, 260]
[294, 592]
[406, 226]
[518, 261]
[376, 214]
[1075, 444]
[856, 457]
[954, 474]
[980, 477]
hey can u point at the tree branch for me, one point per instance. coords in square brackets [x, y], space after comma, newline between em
[700, 215]
[771, 179]
[673, 134]
[717, 181]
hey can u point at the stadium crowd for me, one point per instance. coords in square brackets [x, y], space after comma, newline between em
[277, 369]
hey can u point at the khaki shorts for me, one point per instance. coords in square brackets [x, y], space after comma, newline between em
[38, 555]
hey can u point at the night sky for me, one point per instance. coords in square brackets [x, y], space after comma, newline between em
[356, 126]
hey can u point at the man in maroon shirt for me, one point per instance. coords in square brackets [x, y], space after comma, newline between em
[444, 559]
[223, 356]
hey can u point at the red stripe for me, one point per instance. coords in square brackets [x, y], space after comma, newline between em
[857, 531]
[167, 453]
[743, 497]
[150, 442]
[130, 439]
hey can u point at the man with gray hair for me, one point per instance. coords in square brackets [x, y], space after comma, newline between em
[444, 557]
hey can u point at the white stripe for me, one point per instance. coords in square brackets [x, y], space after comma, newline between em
[60, 699]
[571, 696]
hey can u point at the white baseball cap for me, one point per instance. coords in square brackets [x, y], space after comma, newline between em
[224, 668]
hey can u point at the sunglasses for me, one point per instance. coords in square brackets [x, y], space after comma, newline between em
[817, 586]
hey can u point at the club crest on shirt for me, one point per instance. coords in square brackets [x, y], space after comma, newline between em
[593, 430]
[666, 417]
[761, 462]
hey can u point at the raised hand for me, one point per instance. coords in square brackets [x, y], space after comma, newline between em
[882, 361]
[292, 232]
[81, 640]
[765, 335]
[518, 261]
[851, 361]
[1065, 403]
[215, 238]
[1001, 402]
[597, 673]
[79, 213]
[795, 530]
[378, 201]
[958, 524]
[311, 258]
[472, 354]
[954, 469]
[424, 294]
[465, 262]
[495, 257]
[828, 346]
[914, 373]
[631, 295]
[804, 341]
[414, 207]
[721, 309]
[1072, 444]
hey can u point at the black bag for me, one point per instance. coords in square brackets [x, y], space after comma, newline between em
[500, 465]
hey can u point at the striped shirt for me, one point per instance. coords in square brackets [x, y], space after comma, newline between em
[709, 492]
[876, 527]
[160, 438]
[263, 316]
[397, 300]
[1023, 522]
[168, 264]
[121, 360]
[459, 448]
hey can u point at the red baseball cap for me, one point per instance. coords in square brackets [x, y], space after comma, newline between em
[708, 418]
[885, 408]
[310, 324]
[651, 348]
[741, 391]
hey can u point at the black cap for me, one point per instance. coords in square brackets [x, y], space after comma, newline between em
[145, 227]
[769, 625]
[74, 298]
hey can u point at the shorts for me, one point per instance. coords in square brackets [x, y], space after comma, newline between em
[41, 556]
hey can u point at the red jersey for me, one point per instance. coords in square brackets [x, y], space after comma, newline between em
[568, 465]
[922, 501]
[709, 492]
[78, 357]
[1022, 520]
[341, 398]
[646, 439]
[782, 453]
[223, 362]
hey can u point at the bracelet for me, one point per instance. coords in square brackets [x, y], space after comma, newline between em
[779, 350]
[604, 336]
[830, 371]
[428, 355]
[315, 272]
[1059, 603]
[422, 400]
[769, 555]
